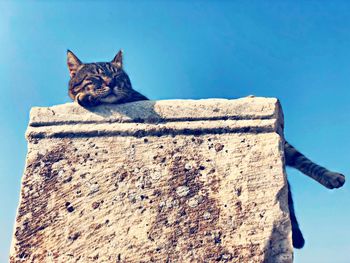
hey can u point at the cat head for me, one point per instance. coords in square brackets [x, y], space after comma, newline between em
[91, 84]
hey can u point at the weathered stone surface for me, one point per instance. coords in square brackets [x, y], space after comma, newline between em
[155, 181]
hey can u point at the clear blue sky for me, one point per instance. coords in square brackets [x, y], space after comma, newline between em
[298, 52]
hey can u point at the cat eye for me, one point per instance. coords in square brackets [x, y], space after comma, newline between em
[94, 78]
[86, 85]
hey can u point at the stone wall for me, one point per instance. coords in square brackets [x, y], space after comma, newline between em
[155, 181]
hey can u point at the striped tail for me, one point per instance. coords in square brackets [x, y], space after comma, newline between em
[322, 175]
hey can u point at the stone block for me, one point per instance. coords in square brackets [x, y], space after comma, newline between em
[155, 181]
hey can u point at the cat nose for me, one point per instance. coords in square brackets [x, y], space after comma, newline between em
[111, 83]
[107, 80]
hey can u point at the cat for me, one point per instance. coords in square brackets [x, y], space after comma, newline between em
[96, 83]
[106, 82]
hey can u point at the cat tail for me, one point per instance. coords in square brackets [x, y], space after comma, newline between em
[321, 174]
[297, 236]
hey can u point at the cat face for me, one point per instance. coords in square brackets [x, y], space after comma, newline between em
[94, 83]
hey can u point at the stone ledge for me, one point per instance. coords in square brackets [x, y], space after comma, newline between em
[155, 181]
[158, 111]
[156, 118]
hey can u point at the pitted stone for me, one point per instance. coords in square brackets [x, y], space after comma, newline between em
[155, 181]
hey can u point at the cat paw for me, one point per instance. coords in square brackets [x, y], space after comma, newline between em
[333, 180]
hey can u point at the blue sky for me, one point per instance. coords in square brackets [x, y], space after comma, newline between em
[296, 51]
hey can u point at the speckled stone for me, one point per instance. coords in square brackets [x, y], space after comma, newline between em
[155, 181]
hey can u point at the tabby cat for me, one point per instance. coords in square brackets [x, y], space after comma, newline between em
[106, 82]
[92, 84]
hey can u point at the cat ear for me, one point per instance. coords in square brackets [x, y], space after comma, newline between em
[118, 59]
[73, 63]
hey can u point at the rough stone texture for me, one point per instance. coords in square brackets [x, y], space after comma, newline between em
[155, 181]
